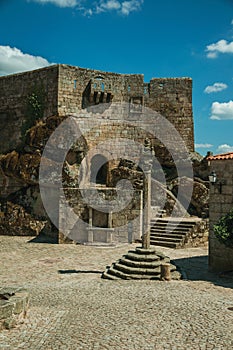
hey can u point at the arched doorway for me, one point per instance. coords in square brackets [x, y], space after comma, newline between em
[99, 169]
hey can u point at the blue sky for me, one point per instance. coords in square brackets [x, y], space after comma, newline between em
[157, 38]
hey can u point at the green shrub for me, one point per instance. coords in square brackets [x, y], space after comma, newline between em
[35, 106]
[223, 230]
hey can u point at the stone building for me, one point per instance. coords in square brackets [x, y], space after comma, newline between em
[33, 104]
[220, 203]
[65, 90]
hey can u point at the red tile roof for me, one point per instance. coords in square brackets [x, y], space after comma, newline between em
[221, 156]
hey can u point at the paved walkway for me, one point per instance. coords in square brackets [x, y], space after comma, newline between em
[72, 308]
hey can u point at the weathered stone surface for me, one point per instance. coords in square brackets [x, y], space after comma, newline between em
[14, 307]
[199, 202]
[15, 221]
[75, 308]
[221, 198]
[63, 90]
[141, 264]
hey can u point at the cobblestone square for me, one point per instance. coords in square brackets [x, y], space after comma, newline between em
[72, 308]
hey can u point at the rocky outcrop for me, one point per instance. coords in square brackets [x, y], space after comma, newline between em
[200, 196]
[24, 213]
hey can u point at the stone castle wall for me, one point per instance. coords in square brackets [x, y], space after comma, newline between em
[68, 89]
[59, 91]
[14, 93]
[173, 99]
[220, 256]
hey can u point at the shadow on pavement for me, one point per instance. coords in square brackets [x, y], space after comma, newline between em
[196, 268]
[44, 239]
[78, 271]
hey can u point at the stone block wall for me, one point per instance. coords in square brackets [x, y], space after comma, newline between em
[76, 84]
[198, 235]
[90, 225]
[220, 256]
[172, 97]
[68, 89]
[14, 93]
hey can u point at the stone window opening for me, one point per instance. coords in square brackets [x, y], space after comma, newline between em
[99, 77]
[75, 84]
[99, 169]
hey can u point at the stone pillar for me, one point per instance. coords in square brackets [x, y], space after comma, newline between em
[90, 217]
[147, 166]
[110, 219]
[90, 236]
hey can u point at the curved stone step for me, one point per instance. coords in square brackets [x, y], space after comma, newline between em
[137, 270]
[140, 250]
[131, 255]
[108, 276]
[140, 264]
[122, 275]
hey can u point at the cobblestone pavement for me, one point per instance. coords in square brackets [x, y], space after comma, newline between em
[73, 308]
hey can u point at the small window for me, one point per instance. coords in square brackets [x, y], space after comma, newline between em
[102, 86]
[75, 84]
[145, 90]
[95, 85]
[129, 88]
[99, 77]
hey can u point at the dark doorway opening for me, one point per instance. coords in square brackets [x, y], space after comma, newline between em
[99, 169]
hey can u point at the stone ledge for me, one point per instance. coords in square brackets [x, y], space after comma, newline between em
[14, 304]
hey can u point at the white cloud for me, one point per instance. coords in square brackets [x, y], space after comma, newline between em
[120, 7]
[130, 6]
[216, 87]
[222, 111]
[124, 8]
[203, 145]
[222, 46]
[12, 60]
[225, 148]
[108, 6]
[60, 3]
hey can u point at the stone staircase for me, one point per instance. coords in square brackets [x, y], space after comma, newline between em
[140, 264]
[171, 233]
